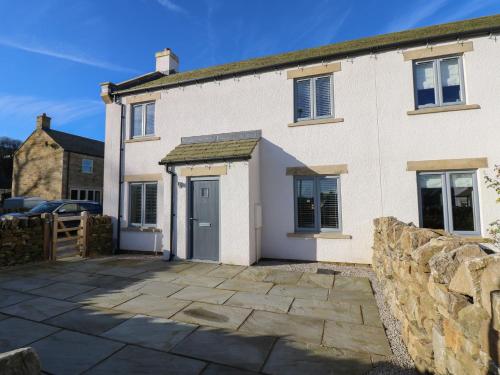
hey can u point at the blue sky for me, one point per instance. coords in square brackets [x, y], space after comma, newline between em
[54, 53]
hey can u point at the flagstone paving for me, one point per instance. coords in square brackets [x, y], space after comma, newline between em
[139, 314]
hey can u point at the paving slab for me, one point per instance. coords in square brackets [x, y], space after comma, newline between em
[133, 360]
[206, 281]
[300, 292]
[315, 280]
[114, 282]
[243, 350]
[246, 286]
[254, 273]
[371, 316]
[356, 337]
[61, 290]
[293, 327]
[344, 312]
[260, 302]
[90, 319]
[353, 297]
[175, 266]
[121, 271]
[283, 277]
[10, 297]
[105, 298]
[202, 294]
[160, 288]
[78, 277]
[150, 332]
[226, 271]
[219, 316]
[68, 352]
[153, 305]
[215, 369]
[2, 316]
[199, 269]
[16, 333]
[156, 276]
[24, 284]
[295, 358]
[355, 284]
[39, 308]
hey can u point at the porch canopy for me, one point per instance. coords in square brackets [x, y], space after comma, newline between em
[214, 148]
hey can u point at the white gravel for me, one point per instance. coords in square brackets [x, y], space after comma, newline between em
[400, 362]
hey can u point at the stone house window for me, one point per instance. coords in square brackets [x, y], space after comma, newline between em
[143, 203]
[87, 166]
[313, 98]
[317, 203]
[86, 195]
[143, 120]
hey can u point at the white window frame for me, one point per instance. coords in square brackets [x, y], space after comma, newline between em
[438, 95]
[143, 120]
[86, 194]
[91, 163]
[447, 204]
[312, 88]
[317, 209]
[143, 204]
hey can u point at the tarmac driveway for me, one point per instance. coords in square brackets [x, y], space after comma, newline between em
[138, 315]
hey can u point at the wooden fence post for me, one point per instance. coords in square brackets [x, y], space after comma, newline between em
[83, 233]
[46, 236]
[55, 223]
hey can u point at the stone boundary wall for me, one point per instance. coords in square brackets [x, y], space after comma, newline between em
[445, 291]
[99, 235]
[21, 241]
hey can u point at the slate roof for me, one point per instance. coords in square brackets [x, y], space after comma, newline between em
[77, 144]
[419, 36]
[211, 151]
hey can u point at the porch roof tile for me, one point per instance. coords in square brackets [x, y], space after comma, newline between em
[211, 151]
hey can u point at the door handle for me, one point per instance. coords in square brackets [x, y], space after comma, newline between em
[192, 218]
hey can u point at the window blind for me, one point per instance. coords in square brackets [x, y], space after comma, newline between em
[323, 96]
[150, 204]
[305, 203]
[303, 99]
[135, 203]
[150, 119]
[136, 120]
[329, 203]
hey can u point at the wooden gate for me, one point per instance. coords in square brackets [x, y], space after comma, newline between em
[69, 233]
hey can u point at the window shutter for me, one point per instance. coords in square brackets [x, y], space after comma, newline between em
[329, 203]
[150, 204]
[305, 202]
[136, 120]
[150, 119]
[323, 96]
[303, 99]
[135, 203]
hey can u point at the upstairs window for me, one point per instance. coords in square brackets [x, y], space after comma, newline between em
[317, 204]
[313, 98]
[143, 119]
[439, 82]
[87, 166]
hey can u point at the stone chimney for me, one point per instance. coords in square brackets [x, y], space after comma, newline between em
[167, 62]
[43, 121]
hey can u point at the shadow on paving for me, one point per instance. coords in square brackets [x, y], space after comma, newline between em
[101, 330]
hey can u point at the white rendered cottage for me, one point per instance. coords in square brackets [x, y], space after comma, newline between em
[292, 156]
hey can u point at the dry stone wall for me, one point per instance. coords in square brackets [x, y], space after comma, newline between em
[21, 241]
[445, 290]
[99, 235]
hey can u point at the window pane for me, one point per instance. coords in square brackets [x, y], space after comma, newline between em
[424, 81]
[431, 201]
[305, 203]
[87, 165]
[303, 99]
[323, 96]
[74, 194]
[83, 195]
[450, 80]
[150, 213]
[329, 203]
[150, 118]
[462, 190]
[135, 203]
[136, 120]
[90, 195]
[97, 196]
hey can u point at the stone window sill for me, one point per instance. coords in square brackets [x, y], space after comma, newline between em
[141, 229]
[446, 108]
[322, 121]
[142, 139]
[323, 235]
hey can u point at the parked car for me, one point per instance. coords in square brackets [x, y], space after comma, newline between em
[61, 207]
[22, 203]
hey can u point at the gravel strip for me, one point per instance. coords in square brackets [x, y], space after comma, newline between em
[400, 362]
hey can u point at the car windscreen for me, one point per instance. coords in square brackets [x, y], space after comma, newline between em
[46, 207]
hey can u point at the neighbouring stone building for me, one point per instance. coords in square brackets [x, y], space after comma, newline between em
[55, 165]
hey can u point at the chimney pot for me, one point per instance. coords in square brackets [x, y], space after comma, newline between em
[167, 62]
[43, 121]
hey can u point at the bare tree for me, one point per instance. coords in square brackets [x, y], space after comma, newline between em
[7, 148]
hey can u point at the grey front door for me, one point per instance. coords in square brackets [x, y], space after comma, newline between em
[204, 219]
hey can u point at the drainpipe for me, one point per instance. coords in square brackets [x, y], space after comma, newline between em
[67, 175]
[172, 174]
[120, 178]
